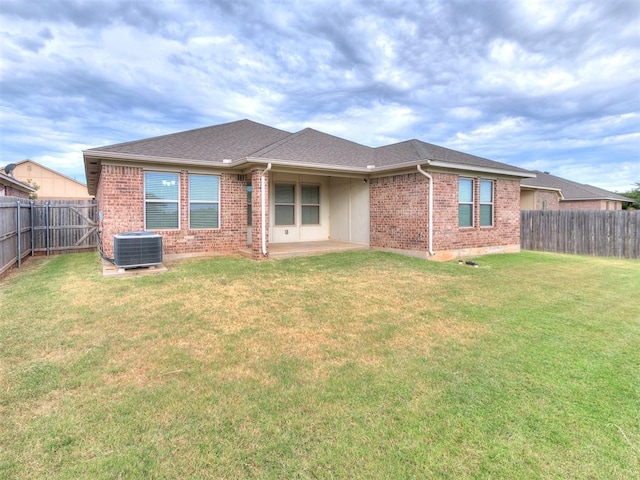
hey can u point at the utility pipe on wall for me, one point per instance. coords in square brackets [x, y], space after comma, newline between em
[431, 252]
[264, 214]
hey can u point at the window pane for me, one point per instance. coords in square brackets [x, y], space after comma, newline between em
[161, 215]
[284, 193]
[486, 215]
[465, 190]
[486, 191]
[284, 215]
[203, 215]
[310, 194]
[204, 188]
[465, 218]
[161, 186]
[310, 215]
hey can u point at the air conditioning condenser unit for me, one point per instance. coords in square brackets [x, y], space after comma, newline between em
[137, 249]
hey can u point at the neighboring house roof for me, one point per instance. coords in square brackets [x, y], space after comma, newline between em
[571, 191]
[234, 144]
[50, 184]
[6, 180]
[51, 170]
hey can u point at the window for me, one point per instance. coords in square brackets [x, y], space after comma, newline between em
[310, 204]
[204, 201]
[161, 197]
[285, 204]
[486, 203]
[465, 202]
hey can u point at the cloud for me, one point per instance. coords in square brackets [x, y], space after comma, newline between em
[525, 82]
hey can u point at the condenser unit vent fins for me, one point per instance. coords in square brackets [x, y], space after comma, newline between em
[137, 249]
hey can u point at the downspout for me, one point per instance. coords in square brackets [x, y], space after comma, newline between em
[264, 213]
[431, 252]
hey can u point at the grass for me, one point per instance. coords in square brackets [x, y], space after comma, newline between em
[357, 365]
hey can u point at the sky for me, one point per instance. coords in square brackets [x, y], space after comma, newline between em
[545, 85]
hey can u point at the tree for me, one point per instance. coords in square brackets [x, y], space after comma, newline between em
[635, 194]
[35, 186]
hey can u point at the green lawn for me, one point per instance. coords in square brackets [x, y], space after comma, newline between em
[356, 365]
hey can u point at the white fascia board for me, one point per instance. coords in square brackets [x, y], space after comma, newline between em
[16, 183]
[473, 168]
[308, 166]
[546, 189]
[151, 159]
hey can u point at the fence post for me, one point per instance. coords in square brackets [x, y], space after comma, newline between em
[18, 228]
[32, 232]
[46, 222]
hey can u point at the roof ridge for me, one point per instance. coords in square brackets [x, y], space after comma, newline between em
[299, 133]
[175, 134]
[51, 170]
[274, 145]
[417, 145]
[336, 137]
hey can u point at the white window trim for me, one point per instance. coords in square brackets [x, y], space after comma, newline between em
[302, 205]
[144, 199]
[492, 203]
[472, 203]
[189, 201]
[294, 204]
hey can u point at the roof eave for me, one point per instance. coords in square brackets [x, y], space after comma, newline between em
[102, 155]
[475, 168]
[17, 184]
[311, 166]
[584, 199]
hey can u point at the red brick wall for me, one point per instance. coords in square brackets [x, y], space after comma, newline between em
[9, 191]
[399, 214]
[551, 198]
[120, 198]
[399, 207]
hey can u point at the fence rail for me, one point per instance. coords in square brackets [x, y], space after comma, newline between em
[29, 227]
[601, 233]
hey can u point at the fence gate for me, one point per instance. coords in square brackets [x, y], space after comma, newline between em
[64, 225]
[52, 226]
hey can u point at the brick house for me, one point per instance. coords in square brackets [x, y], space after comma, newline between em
[239, 184]
[52, 185]
[10, 187]
[548, 192]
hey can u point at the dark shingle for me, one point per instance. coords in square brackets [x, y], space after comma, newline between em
[232, 140]
[314, 147]
[571, 190]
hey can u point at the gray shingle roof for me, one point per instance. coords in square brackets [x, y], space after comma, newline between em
[232, 140]
[245, 140]
[572, 190]
[420, 150]
[314, 147]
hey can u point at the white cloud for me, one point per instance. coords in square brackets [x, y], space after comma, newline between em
[525, 82]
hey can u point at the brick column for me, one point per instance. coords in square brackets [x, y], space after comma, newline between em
[256, 213]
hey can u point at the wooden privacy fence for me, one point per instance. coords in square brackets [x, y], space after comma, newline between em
[29, 227]
[606, 233]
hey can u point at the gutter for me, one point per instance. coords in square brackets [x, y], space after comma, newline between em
[263, 213]
[431, 252]
[473, 168]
